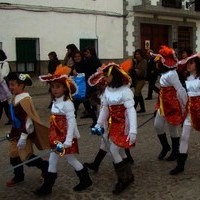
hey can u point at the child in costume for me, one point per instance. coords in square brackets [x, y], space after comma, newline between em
[97, 79]
[193, 109]
[119, 114]
[26, 128]
[172, 101]
[63, 128]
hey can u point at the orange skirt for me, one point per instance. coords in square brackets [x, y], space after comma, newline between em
[117, 126]
[194, 111]
[169, 106]
[57, 133]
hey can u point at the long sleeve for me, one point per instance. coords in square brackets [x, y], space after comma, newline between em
[181, 92]
[130, 109]
[71, 121]
[5, 69]
[104, 112]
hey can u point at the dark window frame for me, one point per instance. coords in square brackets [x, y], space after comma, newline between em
[22, 58]
[172, 3]
[93, 41]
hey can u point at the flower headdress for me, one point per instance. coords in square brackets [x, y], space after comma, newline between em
[61, 75]
[167, 57]
[99, 75]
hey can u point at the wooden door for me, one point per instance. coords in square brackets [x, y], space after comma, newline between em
[157, 35]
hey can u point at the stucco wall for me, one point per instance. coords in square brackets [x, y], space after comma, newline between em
[56, 30]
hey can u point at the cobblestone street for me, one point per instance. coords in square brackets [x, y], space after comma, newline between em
[152, 179]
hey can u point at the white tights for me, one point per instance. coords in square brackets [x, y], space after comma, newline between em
[183, 148]
[118, 153]
[71, 159]
[159, 124]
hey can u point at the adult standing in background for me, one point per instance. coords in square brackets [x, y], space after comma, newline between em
[152, 75]
[52, 65]
[182, 68]
[92, 63]
[71, 49]
[5, 94]
[53, 62]
[140, 72]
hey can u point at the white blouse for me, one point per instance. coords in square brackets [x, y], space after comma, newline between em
[66, 108]
[193, 86]
[116, 96]
[171, 78]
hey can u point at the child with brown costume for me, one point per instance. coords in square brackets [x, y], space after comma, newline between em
[63, 128]
[26, 129]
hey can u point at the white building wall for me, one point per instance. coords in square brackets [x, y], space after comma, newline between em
[56, 30]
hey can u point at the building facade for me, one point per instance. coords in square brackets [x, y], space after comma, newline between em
[156, 22]
[31, 29]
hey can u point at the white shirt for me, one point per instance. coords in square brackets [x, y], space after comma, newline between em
[171, 78]
[4, 69]
[193, 89]
[116, 96]
[66, 108]
[193, 86]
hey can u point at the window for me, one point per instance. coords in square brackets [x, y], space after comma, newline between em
[197, 5]
[27, 54]
[184, 38]
[172, 3]
[84, 43]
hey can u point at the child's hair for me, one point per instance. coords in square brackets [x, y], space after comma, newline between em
[77, 52]
[197, 62]
[140, 52]
[162, 68]
[13, 76]
[117, 80]
[2, 55]
[53, 54]
[66, 94]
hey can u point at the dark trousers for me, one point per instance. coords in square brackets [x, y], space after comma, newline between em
[5, 106]
[88, 108]
[152, 87]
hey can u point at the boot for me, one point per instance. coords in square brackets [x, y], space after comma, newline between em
[142, 106]
[130, 176]
[128, 154]
[84, 178]
[125, 176]
[18, 172]
[46, 187]
[175, 149]
[97, 161]
[39, 163]
[180, 164]
[165, 146]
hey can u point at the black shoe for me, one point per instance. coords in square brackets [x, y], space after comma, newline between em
[46, 188]
[91, 166]
[8, 123]
[85, 116]
[141, 111]
[165, 146]
[148, 98]
[119, 187]
[93, 124]
[84, 178]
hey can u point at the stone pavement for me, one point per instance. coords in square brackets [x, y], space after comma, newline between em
[152, 181]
